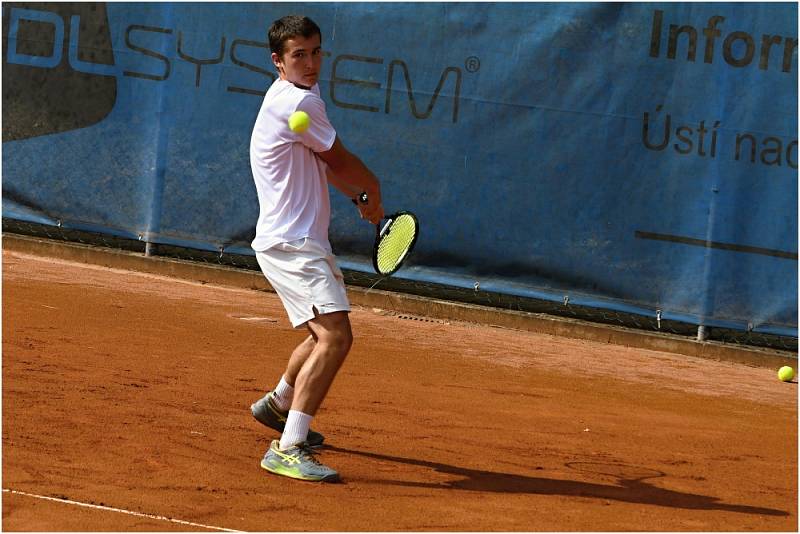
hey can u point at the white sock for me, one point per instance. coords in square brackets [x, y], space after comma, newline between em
[284, 393]
[296, 430]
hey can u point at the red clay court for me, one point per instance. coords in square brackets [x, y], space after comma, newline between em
[130, 392]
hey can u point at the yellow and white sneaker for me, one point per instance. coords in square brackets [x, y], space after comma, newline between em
[298, 462]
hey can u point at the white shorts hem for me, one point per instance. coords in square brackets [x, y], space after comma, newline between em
[304, 273]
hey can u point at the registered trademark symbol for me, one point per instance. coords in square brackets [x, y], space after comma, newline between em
[472, 64]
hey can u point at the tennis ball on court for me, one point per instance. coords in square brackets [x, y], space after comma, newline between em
[299, 121]
[786, 373]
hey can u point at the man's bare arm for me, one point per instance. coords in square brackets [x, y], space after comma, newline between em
[350, 191]
[352, 176]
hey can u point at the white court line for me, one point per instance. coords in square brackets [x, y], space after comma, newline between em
[109, 509]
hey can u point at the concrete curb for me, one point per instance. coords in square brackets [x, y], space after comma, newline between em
[409, 304]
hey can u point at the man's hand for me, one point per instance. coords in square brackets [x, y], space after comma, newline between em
[372, 209]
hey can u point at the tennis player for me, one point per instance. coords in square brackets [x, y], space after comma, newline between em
[291, 172]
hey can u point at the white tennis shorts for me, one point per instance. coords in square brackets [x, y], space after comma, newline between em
[305, 276]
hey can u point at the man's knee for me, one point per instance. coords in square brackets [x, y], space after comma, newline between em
[333, 330]
[341, 339]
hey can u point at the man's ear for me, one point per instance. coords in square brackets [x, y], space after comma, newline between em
[276, 60]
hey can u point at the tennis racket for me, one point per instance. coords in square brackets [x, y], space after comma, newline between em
[394, 240]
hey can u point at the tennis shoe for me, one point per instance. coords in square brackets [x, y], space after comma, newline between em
[298, 462]
[266, 413]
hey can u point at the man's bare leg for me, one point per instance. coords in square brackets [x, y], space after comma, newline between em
[333, 338]
[297, 359]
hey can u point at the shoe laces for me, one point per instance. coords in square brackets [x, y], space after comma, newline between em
[308, 453]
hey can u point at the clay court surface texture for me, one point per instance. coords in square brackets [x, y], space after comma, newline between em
[131, 392]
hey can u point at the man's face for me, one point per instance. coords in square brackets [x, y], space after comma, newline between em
[301, 60]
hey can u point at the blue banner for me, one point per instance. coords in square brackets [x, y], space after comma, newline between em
[634, 156]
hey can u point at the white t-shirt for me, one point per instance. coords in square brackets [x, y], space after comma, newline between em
[290, 178]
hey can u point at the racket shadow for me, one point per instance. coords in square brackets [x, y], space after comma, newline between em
[629, 490]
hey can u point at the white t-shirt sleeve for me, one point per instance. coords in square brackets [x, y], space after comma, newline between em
[320, 134]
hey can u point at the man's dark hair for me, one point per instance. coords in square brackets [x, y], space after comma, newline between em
[288, 27]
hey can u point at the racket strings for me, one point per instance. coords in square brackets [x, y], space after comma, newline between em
[395, 242]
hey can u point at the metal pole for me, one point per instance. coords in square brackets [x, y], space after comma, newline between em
[702, 333]
[162, 140]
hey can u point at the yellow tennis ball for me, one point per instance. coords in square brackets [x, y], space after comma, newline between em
[786, 373]
[299, 121]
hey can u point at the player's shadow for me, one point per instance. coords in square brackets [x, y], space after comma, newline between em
[629, 489]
